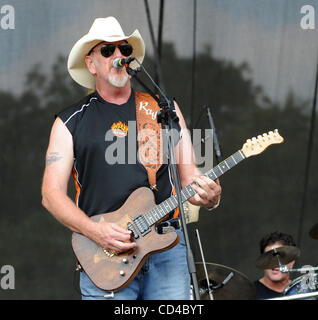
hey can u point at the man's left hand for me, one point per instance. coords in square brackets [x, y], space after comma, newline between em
[208, 192]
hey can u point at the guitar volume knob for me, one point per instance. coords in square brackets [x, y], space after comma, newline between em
[125, 260]
[122, 272]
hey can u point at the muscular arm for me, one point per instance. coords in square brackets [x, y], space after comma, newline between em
[208, 191]
[59, 163]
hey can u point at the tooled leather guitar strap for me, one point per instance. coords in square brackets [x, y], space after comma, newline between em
[149, 135]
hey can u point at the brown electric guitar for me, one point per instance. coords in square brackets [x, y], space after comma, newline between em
[112, 271]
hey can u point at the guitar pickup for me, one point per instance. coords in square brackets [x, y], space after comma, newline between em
[131, 228]
[142, 224]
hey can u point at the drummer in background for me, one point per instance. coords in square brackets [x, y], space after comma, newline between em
[274, 282]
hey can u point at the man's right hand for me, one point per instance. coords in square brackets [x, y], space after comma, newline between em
[112, 237]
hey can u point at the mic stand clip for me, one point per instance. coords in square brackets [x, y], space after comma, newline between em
[223, 283]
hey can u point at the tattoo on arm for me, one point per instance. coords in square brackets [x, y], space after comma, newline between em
[52, 157]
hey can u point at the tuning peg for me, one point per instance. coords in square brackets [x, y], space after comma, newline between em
[259, 137]
[276, 133]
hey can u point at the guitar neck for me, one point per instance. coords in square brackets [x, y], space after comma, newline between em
[165, 207]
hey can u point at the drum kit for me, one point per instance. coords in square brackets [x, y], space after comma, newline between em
[218, 282]
[223, 283]
[303, 287]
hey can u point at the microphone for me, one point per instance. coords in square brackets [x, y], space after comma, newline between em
[283, 268]
[119, 63]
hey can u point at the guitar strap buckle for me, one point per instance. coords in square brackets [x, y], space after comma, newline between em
[167, 229]
[154, 188]
[168, 226]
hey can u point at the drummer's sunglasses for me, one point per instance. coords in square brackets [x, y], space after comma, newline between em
[107, 50]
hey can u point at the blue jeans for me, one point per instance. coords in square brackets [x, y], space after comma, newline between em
[164, 276]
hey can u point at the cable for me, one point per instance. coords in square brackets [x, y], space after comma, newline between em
[193, 62]
[154, 43]
[308, 161]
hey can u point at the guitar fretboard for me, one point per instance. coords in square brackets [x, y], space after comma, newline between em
[165, 207]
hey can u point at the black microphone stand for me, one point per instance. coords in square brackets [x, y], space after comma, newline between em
[216, 144]
[166, 117]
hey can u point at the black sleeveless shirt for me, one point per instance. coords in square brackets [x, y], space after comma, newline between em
[106, 170]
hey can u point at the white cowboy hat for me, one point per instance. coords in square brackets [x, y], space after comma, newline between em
[103, 29]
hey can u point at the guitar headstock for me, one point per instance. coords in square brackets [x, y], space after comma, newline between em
[257, 145]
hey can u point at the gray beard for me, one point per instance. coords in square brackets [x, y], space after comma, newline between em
[118, 81]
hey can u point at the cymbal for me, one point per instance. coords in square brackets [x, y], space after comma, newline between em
[314, 231]
[286, 254]
[239, 287]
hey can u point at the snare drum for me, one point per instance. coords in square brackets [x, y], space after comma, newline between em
[303, 284]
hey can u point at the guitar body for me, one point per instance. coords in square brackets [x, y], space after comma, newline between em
[110, 271]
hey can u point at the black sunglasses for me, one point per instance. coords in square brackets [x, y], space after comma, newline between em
[108, 49]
